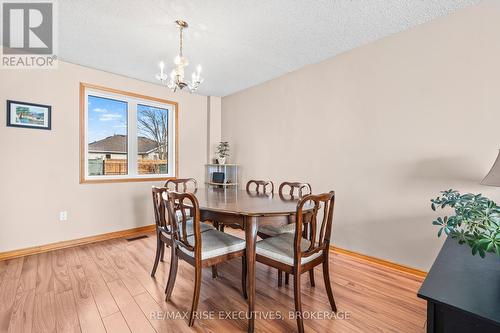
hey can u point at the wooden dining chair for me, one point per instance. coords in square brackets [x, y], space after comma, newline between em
[163, 229]
[185, 183]
[191, 185]
[295, 190]
[163, 234]
[296, 254]
[201, 249]
[260, 186]
[286, 191]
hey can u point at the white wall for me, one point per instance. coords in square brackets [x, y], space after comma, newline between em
[39, 170]
[387, 126]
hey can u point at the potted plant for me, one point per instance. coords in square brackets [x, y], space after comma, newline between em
[222, 152]
[476, 221]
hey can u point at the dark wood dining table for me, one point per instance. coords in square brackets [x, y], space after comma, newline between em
[244, 209]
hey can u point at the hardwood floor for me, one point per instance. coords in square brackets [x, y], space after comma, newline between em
[106, 287]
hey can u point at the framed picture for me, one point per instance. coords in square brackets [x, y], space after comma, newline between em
[28, 115]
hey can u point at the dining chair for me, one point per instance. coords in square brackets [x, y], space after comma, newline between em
[163, 235]
[296, 254]
[201, 249]
[185, 183]
[163, 230]
[173, 184]
[287, 191]
[260, 185]
[294, 191]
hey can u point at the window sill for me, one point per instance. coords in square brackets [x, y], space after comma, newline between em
[124, 180]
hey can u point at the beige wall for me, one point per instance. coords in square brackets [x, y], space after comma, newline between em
[387, 126]
[214, 127]
[39, 169]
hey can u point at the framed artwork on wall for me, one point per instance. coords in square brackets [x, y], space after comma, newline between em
[28, 115]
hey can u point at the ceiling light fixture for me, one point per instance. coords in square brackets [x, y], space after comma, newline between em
[176, 79]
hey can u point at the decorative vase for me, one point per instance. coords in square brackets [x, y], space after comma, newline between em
[221, 160]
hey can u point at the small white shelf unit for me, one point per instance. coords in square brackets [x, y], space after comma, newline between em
[230, 174]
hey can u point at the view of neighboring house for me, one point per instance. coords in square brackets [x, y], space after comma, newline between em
[115, 147]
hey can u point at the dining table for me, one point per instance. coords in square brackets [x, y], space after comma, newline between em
[244, 209]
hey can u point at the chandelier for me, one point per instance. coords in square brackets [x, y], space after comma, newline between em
[176, 79]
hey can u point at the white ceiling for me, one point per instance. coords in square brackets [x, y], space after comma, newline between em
[239, 43]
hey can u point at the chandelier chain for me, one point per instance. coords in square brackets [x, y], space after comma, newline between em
[180, 44]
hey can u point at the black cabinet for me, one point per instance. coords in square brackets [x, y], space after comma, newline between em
[462, 291]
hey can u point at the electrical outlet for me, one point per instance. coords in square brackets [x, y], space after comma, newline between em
[63, 216]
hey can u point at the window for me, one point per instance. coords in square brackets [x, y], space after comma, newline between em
[107, 146]
[152, 139]
[116, 126]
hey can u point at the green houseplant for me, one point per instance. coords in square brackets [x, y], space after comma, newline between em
[476, 221]
[222, 152]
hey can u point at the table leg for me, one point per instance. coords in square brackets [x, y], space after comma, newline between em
[251, 237]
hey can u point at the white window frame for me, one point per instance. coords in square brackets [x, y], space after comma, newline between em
[132, 101]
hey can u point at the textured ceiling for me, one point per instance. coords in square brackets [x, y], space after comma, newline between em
[239, 43]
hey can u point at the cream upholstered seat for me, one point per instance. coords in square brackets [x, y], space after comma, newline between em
[215, 243]
[274, 230]
[280, 248]
[189, 228]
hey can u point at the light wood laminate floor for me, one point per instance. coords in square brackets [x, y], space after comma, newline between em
[106, 287]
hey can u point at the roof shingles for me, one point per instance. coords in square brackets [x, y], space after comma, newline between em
[118, 144]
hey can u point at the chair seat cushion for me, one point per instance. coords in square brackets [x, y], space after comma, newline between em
[280, 248]
[189, 225]
[274, 230]
[215, 243]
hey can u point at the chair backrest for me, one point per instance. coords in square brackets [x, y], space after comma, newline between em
[294, 189]
[319, 233]
[159, 207]
[182, 183]
[261, 185]
[180, 202]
